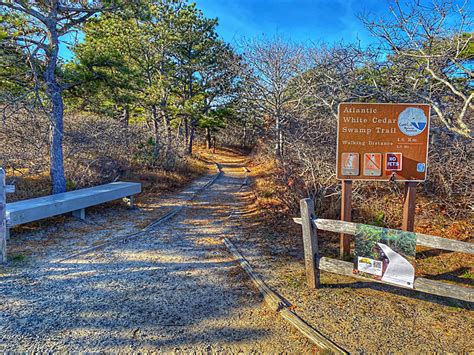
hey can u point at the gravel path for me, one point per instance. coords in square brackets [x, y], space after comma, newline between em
[173, 289]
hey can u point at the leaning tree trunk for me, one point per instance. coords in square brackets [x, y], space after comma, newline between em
[58, 179]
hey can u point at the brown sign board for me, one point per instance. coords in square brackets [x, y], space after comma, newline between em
[382, 141]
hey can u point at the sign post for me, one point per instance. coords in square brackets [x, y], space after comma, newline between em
[408, 223]
[381, 142]
[346, 215]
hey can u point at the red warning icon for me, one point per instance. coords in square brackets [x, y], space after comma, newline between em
[372, 164]
[393, 161]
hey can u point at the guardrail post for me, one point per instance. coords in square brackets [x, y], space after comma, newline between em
[310, 242]
[3, 219]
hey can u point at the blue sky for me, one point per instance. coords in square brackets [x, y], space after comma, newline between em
[299, 20]
[303, 21]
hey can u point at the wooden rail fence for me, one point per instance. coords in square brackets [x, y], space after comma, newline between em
[314, 263]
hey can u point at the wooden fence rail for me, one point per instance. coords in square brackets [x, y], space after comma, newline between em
[314, 263]
[424, 240]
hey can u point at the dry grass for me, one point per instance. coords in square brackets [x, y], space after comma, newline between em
[154, 181]
[97, 150]
[271, 218]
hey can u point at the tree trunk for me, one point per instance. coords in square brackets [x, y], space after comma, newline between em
[278, 137]
[154, 115]
[164, 105]
[125, 116]
[167, 125]
[186, 128]
[281, 143]
[208, 138]
[191, 139]
[58, 179]
[191, 118]
[179, 129]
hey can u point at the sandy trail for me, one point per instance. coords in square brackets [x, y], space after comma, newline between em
[175, 289]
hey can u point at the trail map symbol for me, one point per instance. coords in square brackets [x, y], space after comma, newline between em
[412, 121]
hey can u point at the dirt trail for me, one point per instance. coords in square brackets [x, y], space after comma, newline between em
[175, 288]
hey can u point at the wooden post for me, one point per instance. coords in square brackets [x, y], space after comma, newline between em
[346, 215]
[409, 195]
[310, 242]
[3, 219]
[80, 214]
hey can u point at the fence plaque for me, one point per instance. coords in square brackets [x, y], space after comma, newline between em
[385, 254]
[382, 141]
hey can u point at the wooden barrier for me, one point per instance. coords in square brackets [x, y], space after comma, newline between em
[3, 217]
[314, 261]
[279, 304]
[76, 202]
[4, 190]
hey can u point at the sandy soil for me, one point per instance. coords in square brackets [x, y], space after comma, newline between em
[172, 289]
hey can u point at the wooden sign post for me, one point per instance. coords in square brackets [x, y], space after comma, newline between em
[381, 142]
[408, 223]
[346, 215]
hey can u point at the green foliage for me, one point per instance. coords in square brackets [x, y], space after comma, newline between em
[145, 154]
[368, 236]
[379, 218]
[468, 52]
[70, 185]
[163, 60]
[19, 258]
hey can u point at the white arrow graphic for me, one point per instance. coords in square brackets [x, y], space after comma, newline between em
[399, 270]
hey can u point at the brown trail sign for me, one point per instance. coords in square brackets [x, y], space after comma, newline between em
[396, 135]
[382, 142]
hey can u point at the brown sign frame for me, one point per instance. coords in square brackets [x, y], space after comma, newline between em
[397, 141]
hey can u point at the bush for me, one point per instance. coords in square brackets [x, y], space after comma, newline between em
[97, 150]
[309, 165]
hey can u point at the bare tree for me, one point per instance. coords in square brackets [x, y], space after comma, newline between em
[273, 64]
[431, 50]
[337, 74]
[36, 28]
